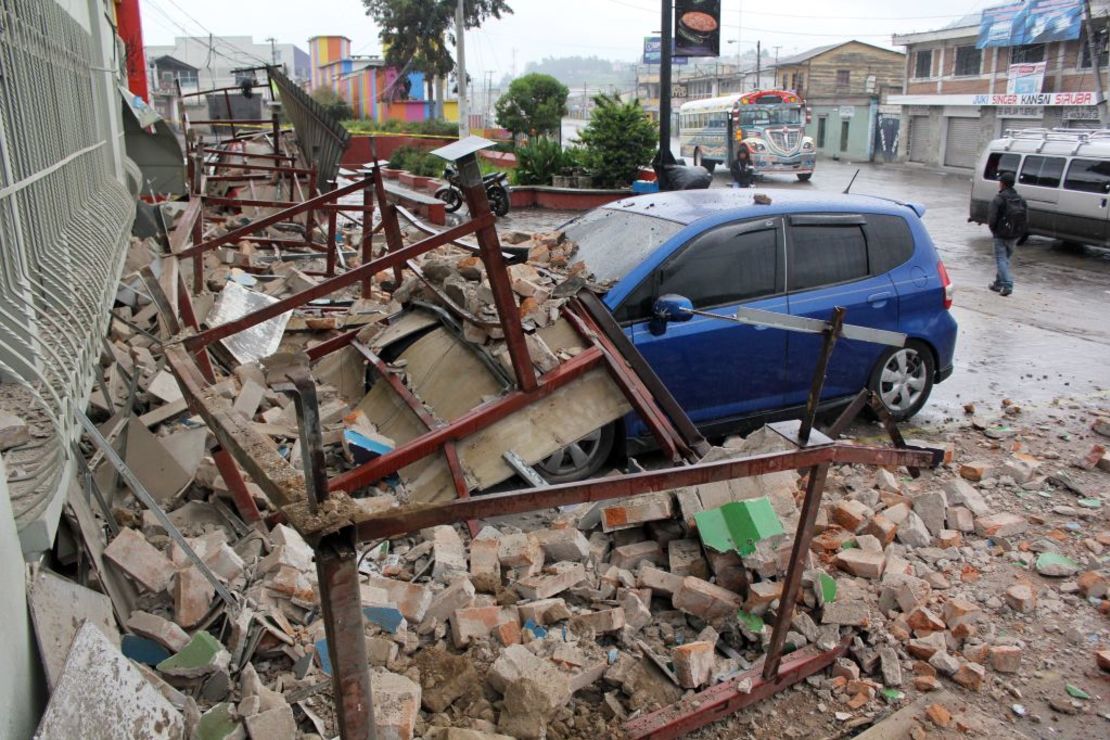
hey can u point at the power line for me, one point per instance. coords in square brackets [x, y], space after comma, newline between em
[813, 17]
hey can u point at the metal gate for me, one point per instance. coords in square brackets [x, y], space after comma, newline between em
[963, 142]
[1083, 124]
[921, 130]
[886, 136]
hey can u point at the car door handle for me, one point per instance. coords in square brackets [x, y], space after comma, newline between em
[1103, 204]
[878, 300]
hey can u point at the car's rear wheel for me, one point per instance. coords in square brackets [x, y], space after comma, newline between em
[581, 459]
[903, 379]
[805, 176]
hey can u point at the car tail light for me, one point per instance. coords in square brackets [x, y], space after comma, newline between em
[946, 283]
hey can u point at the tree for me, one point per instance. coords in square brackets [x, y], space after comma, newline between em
[335, 106]
[413, 32]
[619, 139]
[534, 104]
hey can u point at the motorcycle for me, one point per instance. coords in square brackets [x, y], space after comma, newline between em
[497, 191]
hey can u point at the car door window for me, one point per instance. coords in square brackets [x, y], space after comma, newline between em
[825, 254]
[728, 264]
[1088, 176]
[889, 242]
[1044, 172]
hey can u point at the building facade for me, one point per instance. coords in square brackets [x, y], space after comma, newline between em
[843, 86]
[216, 58]
[956, 97]
[375, 91]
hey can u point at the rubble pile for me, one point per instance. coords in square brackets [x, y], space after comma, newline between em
[568, 623]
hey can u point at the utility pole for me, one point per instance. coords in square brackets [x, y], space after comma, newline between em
[758, 65]
[273, 50]
[1094, 52]
[460, 45]
[665, 156]
[489, 97]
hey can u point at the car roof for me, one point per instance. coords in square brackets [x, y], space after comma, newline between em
[688, 206]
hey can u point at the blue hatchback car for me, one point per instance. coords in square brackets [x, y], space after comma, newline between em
[801, 254]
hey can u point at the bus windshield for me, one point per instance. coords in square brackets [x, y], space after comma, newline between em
[766, 116]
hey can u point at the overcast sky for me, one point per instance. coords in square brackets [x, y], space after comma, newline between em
[611, 29]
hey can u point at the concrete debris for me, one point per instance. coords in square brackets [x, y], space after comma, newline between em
[566, 624]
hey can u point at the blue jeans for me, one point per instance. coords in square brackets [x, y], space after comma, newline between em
[1003, 251]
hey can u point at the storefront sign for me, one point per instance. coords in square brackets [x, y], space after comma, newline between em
[1032, 22]
[1082, 113]
[1025, 79]
[697, 28]
[1020, 111]
[1069, 99]
[847, 111]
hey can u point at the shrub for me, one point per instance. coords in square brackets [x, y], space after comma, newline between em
[417, 161]
[619, 139]
[538, 161]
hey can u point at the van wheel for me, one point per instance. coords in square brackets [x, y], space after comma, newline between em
[903, 379]
[804, 177]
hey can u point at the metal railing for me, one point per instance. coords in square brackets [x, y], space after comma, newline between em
[64, 218]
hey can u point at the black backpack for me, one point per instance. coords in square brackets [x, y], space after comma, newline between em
[1014, 222]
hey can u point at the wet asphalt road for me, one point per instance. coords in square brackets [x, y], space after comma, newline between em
[1050, 339]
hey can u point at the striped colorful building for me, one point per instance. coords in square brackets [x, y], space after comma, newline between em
[375, 91]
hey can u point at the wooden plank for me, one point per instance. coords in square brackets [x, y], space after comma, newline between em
[445, 374]
[537, 431]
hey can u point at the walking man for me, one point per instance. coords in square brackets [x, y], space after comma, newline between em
[1008, 219]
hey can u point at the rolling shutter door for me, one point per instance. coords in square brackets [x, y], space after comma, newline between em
[1018, 123]
[1080, 124]
[963, 142]
[920, 136]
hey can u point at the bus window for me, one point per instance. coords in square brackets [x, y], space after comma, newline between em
[1042, 172]
[1088, 176]
[1000, 162]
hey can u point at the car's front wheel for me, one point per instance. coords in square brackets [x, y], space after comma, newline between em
[903, 379]
[581, 459]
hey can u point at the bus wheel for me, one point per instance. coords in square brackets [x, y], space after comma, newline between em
[804, 177]
[697, 157]
[709, 166]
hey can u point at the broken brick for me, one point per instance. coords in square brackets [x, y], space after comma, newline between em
[685, 559]
[637, 510]
[705, 600]
[881, 529]
[471, 622]
[1002, 524]
[863, 563]
[629, 556]
[565, 543]
[556, 579]
[970, 676]
[1005, 658]
[544, 611]
[693, 664]
[140, 560]
[850, 514]
[485, 566]
[607, 620]
[192, 597]
[1020, 597]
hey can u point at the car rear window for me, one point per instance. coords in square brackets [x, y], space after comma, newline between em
[1088, 176]
[1044, 172]
[1000, 162]
[889, 242]
[825, 255]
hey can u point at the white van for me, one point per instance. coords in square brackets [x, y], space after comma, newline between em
[1063, 174]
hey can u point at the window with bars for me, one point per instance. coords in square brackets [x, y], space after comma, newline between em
[923, 64]
[843, 77]
[1030, 54]
[1100, 44]
[969, 61]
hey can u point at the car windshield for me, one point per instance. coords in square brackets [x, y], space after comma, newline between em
[611, 242]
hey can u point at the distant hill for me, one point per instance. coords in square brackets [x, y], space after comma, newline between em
[576, 71]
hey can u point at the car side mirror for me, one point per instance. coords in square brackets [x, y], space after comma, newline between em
[668, 308]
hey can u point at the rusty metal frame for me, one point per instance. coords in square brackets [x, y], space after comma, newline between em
[323, 511]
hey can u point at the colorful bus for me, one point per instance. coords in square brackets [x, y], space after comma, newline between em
[764, 130]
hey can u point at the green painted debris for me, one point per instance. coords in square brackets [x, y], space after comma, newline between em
[849, 545]
[892, 694]
[1076, 692]
[750, 622]
[738, 525]
[203, 655]
[826, 589]
[1055, 565]
[1090, 503]
[217, 723]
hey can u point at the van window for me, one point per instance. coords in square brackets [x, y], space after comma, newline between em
[889, 242]
[1044, 172]
[825, 255]
[1088, 176]
[1000, 162]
